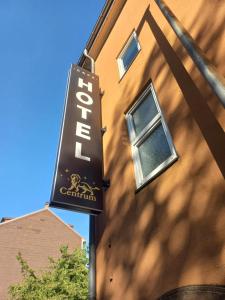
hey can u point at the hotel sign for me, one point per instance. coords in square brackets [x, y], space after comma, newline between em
[78, 176]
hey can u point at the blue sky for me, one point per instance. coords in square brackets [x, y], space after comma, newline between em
[38, 42]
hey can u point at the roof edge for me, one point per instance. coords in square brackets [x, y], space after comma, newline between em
[39, 211]
[24, 216]
[105, 11]
[67, 225]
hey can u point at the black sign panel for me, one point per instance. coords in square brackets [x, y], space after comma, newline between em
[78, 177]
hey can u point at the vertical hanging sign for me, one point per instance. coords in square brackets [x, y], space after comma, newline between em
[78, 176]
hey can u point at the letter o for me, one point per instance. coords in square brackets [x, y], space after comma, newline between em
[84, 98]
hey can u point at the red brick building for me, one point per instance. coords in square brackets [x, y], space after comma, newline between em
[37, 236]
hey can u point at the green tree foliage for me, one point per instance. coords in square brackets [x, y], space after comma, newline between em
[65, 279]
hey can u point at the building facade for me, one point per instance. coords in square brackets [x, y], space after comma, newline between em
[37, 236]
[163, 223]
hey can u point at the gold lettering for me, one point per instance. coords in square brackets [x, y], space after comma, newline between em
[63, 190]
[92, 198]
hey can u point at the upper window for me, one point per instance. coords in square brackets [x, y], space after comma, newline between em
[152, 146]
[128, 54]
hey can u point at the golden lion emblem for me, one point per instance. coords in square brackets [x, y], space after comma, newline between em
[80, 187]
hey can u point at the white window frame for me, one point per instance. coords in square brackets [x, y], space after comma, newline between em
[122, 68]
[137, 140]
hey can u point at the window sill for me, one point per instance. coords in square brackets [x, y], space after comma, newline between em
[153, 177]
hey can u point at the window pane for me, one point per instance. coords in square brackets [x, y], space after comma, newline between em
[144, 113]
[130, 53]
[154, 150]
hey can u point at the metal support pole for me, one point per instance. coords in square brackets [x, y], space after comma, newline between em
[216, 82]
[92, 259]
[92, 238]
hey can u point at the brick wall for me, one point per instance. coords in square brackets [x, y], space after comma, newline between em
[37, 236]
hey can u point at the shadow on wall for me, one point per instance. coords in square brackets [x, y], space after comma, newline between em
[172, 231]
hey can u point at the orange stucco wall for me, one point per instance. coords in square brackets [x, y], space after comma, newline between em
[172, 232]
